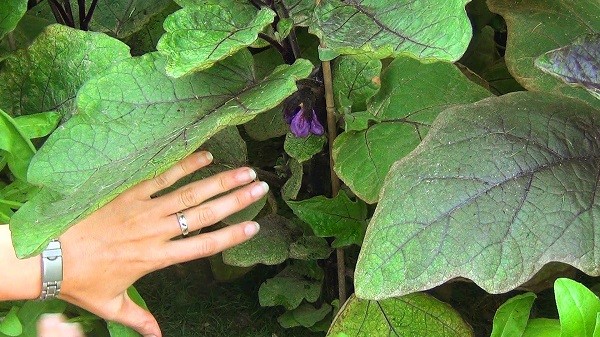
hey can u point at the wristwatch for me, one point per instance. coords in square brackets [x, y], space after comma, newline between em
[52, 270]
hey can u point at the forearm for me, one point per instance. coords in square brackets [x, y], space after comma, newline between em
[19, 279]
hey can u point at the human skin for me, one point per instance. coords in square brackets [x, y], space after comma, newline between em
[133, 235]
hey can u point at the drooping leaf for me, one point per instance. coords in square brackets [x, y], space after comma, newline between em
[411, 96]
[306, 315]
[298, 281]
[47, 75]
[292, 186]
[511, 318]
[496, 190]
[150, 121]
[11, 11]
[338, 217]
[577, 63]
[538, 26]
[425, 29]
[119, 330]
[11, 325]
[355, 79]
[545, 327]
[577, 308]
[416, 314]
[270, 246]
[198, 36]
[15, 146]
[38, 125]
[303, 148]
[310, 248]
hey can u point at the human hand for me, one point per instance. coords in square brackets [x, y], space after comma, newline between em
[54, 325]
[131, 236]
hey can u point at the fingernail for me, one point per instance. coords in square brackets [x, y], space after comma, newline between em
[259, 189]
[207, 157]
[251, 228]
[246, 175]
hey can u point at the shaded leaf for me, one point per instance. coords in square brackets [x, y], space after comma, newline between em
[145, 39]
[306, 315]
[577, 308]
[292, 186]
[270, 246]
[223, 272]
[411, 96]
[23, 35]
[425, 29]
[538, 26]
[577, 63]
[310, 248]
[15, 146]
[496, 190]
[338, 217]
[303, 148]
[416, 314]
[500, 80]
[47, 75]
[11, 11]
[545, 327]
[267, 125]
[482, 52]
[355, 79]
[512, 316]
[154, 122]
[298, 281]
[198, 36]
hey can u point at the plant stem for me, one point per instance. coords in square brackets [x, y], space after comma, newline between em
[81, 5]
[335, 181]
[11, 203]
[287, 57]
[58, 11]
[292, 40]
[88, 17]
[69, 12]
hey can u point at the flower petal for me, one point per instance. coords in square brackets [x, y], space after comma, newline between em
[315, 126]
[290, 115]
[300, 126]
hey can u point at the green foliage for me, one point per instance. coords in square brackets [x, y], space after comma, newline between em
[411, 315]
[11, 12]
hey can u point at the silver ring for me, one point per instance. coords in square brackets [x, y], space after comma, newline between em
[183, 225]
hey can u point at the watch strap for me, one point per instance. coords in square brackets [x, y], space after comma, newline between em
[52, 270]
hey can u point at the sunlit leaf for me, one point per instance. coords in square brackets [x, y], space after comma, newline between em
[577, 308]
[39, 124]
[151, 122]
[577, 63]
[426, 29]
[15, 146]
[47, 75]
[511, 318]
[198, 36]
[338, 217]
[412, 94]
[545, 327]
[416, 314]
[538, 26]
[496, 190]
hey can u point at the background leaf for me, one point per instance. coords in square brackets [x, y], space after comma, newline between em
[538, 26]
[47, 75]
[298, 281]
[78, 171]
[15, 146]
[511, 318]
[577, 63]
[545, 327]
[10, 325]
[338, 217]
[425, 29]
[11, 11]
[577, 308]
[198, 36]
[355, 79]
[303, 148]
[496, 190]
[411, 96]
[416, 314]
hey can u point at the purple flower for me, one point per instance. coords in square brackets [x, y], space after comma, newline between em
[304, 122]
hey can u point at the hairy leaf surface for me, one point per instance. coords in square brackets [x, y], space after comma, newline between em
[538, 26]
[416, 314]
[47, 75]
[577, 63]
[133, 123]
[412, 94]
[497, 189]
[200, 35]
[425, 29]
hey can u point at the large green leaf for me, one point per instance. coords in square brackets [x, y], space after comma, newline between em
[511, 318]
[538, 26]
[416, 314]
[47, 75]
[201, 34]
[134, 122]
[338, 217]
[11, 11]
[426, 29]
[496, 190]
[577, 63]
[15, 146]
[411, 96]
[577, 308]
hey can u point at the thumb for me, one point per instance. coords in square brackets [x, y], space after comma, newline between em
[137, 318]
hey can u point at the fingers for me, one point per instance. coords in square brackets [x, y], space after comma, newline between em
[216, 210]
[184, 167]
[54, 325]
[134, 316]
[208, 244]
[197, 192]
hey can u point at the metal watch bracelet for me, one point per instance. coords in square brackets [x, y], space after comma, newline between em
[52, 270]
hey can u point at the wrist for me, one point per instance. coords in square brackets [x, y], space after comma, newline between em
[20, 278]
